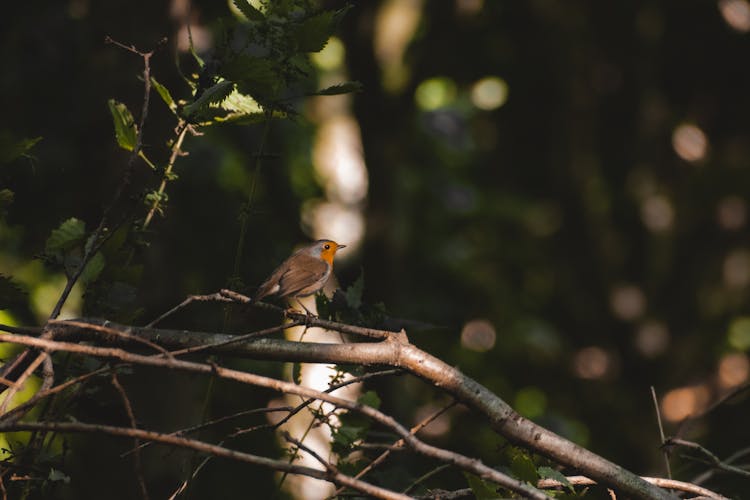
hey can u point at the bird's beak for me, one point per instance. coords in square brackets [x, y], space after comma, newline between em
[340, 247]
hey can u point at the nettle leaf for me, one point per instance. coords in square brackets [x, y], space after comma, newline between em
[255, 76]
[313, 33]
[550, 473]
[125, 127]
[66, 236]
[481, 489]
[11, 295]
[250, 12]
[165, 95]
[341, 88]
[212, 95]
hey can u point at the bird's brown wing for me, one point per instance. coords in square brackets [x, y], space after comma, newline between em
[306, 272]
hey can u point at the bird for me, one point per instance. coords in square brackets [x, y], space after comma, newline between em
[303, 273]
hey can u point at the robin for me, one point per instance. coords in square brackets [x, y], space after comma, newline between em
[303, 273]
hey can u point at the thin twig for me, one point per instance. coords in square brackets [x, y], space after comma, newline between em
[711, 459]
[670, 484]
[137, 464]
[661, 432]
[214, 297]
[425, 477]
[400, 443]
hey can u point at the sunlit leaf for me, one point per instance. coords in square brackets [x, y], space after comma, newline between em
[67, 235]
[212, 95]
[125, 128]
[164, 94]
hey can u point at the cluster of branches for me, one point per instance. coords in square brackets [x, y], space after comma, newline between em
[122, 344]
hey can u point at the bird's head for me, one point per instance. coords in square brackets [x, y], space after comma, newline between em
[325, 249]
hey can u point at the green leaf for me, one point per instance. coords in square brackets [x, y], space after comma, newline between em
[70, 233]
[481, 489]
[93, 268]
[522, 466]
[255, 76]
[550, 473]
[250, 12]
[369, 398]
[11, 295]
[346, 435]
[165, 95]
[125, 128]
[313, 33]
[354, 292]
[10, 149]
[213, 95]
[341, 88]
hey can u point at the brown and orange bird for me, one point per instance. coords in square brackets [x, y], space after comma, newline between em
[303, 273]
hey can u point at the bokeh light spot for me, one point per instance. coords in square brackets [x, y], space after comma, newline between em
[657, 213]
[591, 363]
[489, 93]
[332, 55]
[736, 269]
[731, 213]
[530, 402]
[627, 302]
[736, 14]
[652, 338]
[435, 93]
[682, 402]
[478, 335]
[690, 142]
[739, 333]
[734, 369]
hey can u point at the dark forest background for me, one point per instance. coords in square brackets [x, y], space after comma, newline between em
[569, 244]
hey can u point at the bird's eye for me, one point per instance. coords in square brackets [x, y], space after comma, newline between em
[327, 247]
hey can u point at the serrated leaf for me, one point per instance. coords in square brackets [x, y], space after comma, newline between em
[10, 149]
[165, 95]
[369, 398]
[67, 235]
[354, 292]
[313, 33]
[247, 10]
[93, 268]
[11, 295]
[125, 128]
[255, 76]
[481, 490]
[341, 88]
[212, 95]
[550, 473]
[347, 435]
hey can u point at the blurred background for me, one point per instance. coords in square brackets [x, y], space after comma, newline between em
[560, 188]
